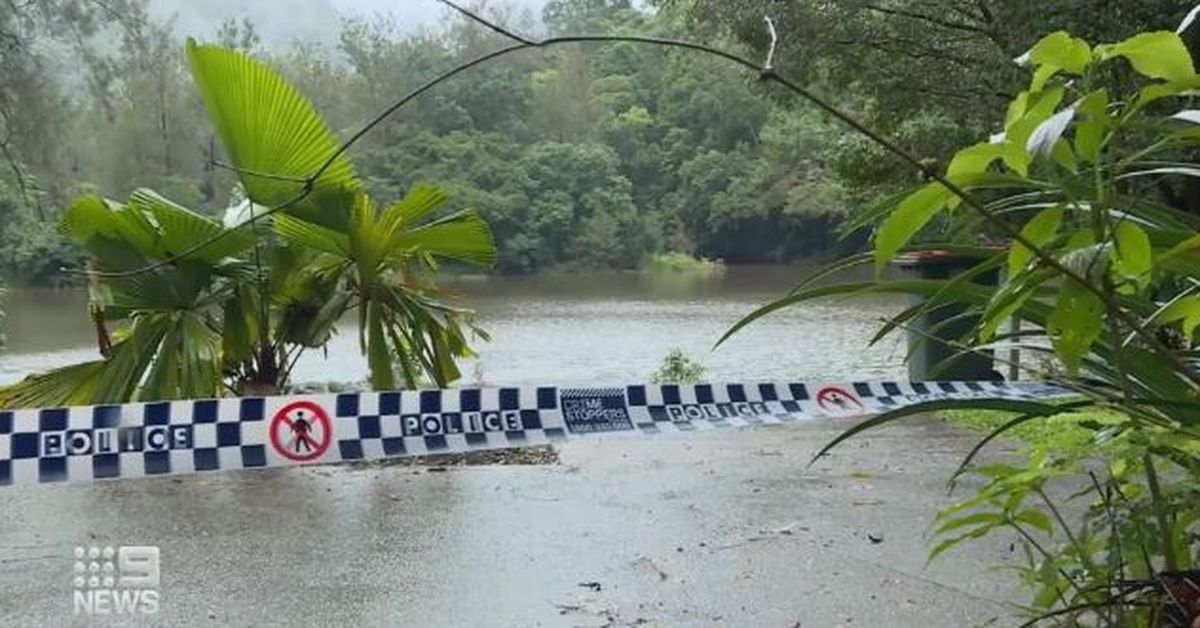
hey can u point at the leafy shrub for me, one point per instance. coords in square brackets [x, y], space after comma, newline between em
[1082, 201]
[678, 368]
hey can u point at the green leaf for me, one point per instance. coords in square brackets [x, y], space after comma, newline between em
[180, 229]
[1187, 310]
[948, 544]
[239, 330]
[1041, 76]
[1049, 592]
[1062, 51]
[1132, 254]
[1038, 231]
[1037, 519]
[73, 385]
[1158, 91]
[420, 202]
[975, 159]
[1047, 102]
[1016, 109]
[1075, 324]
[909, 217]
[1090, 132]
[1159, 55]
[1064, 156]
[378, 360]
[1089, 136]
[980, 518]
[462, 236]
[312, 236]
[268, 127]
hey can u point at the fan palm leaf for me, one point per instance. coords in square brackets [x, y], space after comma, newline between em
[268, 128]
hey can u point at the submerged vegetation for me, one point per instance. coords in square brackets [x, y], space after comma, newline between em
[681, 263]
[678, 368]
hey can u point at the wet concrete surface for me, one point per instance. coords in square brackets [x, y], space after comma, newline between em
[714, 529]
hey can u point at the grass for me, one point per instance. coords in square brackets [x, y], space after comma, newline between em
[1060, 432]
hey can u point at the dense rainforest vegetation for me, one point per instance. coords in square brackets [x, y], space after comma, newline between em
[578, 157]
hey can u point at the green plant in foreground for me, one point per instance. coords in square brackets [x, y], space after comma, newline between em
[201, 307]
[1084, 193]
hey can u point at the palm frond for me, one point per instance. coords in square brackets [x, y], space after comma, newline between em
[73, 385]
[180, 229]
[462, 236]
[268, 128]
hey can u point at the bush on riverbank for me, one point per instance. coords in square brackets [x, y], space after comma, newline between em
[675, 262]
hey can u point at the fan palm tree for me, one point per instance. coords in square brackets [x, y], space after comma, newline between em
[234, 308]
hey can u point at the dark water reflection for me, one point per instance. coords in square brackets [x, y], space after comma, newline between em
[597, 328]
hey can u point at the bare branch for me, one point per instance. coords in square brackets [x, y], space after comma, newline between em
[494, 27]
[912, 15]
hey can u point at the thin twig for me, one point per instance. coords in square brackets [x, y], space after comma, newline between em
[492, 26]
[256, 173]
[1080, 607]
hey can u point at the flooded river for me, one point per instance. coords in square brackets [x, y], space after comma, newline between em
[587, 329]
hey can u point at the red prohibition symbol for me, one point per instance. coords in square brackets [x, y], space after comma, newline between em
[835, 399]
[300, 431]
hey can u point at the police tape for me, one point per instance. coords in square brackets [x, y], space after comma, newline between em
[82, 444]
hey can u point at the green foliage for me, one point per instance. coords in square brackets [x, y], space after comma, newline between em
[270, 131]
[1061, 432]
[661, 151]
[1086, 197]
[203, 306]
[31, 251]
[934, 74]
[681, 263]
[678, 368]
[1076, 548]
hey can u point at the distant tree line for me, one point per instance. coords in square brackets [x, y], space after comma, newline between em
[579, 157]
[588, 156]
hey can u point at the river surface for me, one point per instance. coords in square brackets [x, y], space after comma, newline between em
[589, 329]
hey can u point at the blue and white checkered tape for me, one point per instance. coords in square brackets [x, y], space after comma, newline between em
[177, 437]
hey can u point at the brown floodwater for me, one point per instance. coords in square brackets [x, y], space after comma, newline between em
[584, 329]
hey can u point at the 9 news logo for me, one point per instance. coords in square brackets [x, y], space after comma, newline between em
[116, 581]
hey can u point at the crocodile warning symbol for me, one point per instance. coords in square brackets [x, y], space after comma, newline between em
[838, 401]
[300, 431]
